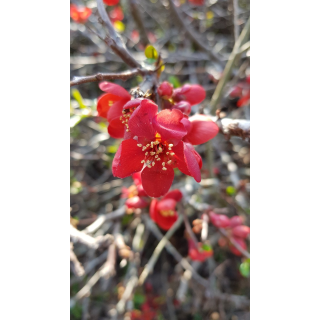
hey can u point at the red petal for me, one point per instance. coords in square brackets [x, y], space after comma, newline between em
[202, 129]
[140, 122]
[133, 103]
[196, 155]
[155, 181]
[136, 202]
[115, 111]
[116, 129]
[241, 243]
[153, 209]
[168, 124]
[127, 159]
[244, 100]
[104, 104]
[165, 223]
[114, 89]
[166, 204]
[175, 194]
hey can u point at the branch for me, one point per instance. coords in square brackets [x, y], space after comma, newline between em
[216, 97]
[173, 251]
[235, 20]
[114, 40]
[157, 251]
[192, 34]
[235, 127]
[105, 76]
[75, 265]
[138, 20]
[92, 243]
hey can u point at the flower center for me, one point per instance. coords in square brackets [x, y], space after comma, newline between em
[157, 151]
[167, 213]
[126, 114]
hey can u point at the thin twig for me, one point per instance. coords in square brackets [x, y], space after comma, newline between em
[157, 251]
[92, 243]
[173, 251]
[105, 76]
[235, 20]
[139, 22]
[192, 34]
[114, 40]
[76, 266]
[228, 68]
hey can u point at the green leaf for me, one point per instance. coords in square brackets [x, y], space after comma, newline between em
[231, 191]
[138, 300]
[76, 311]
[150, 52]
[112, 149]
[245, 268]
[206, 247]
[174, 81]
[76, 94]
[150, 61]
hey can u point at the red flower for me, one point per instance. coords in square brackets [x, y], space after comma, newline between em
[165, 89]
[193, 93]
[79, 14]
[116, 106]
[163, 212]
[200, 129]
[158, 150]
[136, 202]
[200, 253]
[219, 220]
[116, 14]
[111, 2]
[197, 2]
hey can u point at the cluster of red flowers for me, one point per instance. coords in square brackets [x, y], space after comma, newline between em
[234, 228]
[79, 14]
[156, 142]
[241, 91]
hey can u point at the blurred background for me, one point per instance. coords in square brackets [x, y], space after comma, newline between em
[195, 40]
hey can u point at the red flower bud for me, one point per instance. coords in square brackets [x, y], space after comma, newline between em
[116, 14]
[241, 231]
[219, 220]
[236, 221]
[241, 243]
[194, 94]
[165, 89]
[197, 2]
[183, 106]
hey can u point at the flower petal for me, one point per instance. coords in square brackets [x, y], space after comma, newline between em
[166, 204]
[140, 122]
[115, 89]
[186, 160]
[193, 93]
[133, 103]
[166, 223]
[155, 181]
[202, 129]
[168, 124]
[153, 209]
[104, 104]
[175, 194]
[136, 202]
[128, 159]
[116, 129]
[115, 111]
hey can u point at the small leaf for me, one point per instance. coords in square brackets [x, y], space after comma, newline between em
[150, 61]
[76, 94]
[245, 268]
[231, 191]
[206, 247]
[112, 149]
[119, 26]
[150, 52]
[174, 81]
[138, 300]
[210, 15]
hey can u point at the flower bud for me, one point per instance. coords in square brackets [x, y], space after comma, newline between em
[165, 89]
[241, 231]
[236, 221]
[219, 220]
[183, 106]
